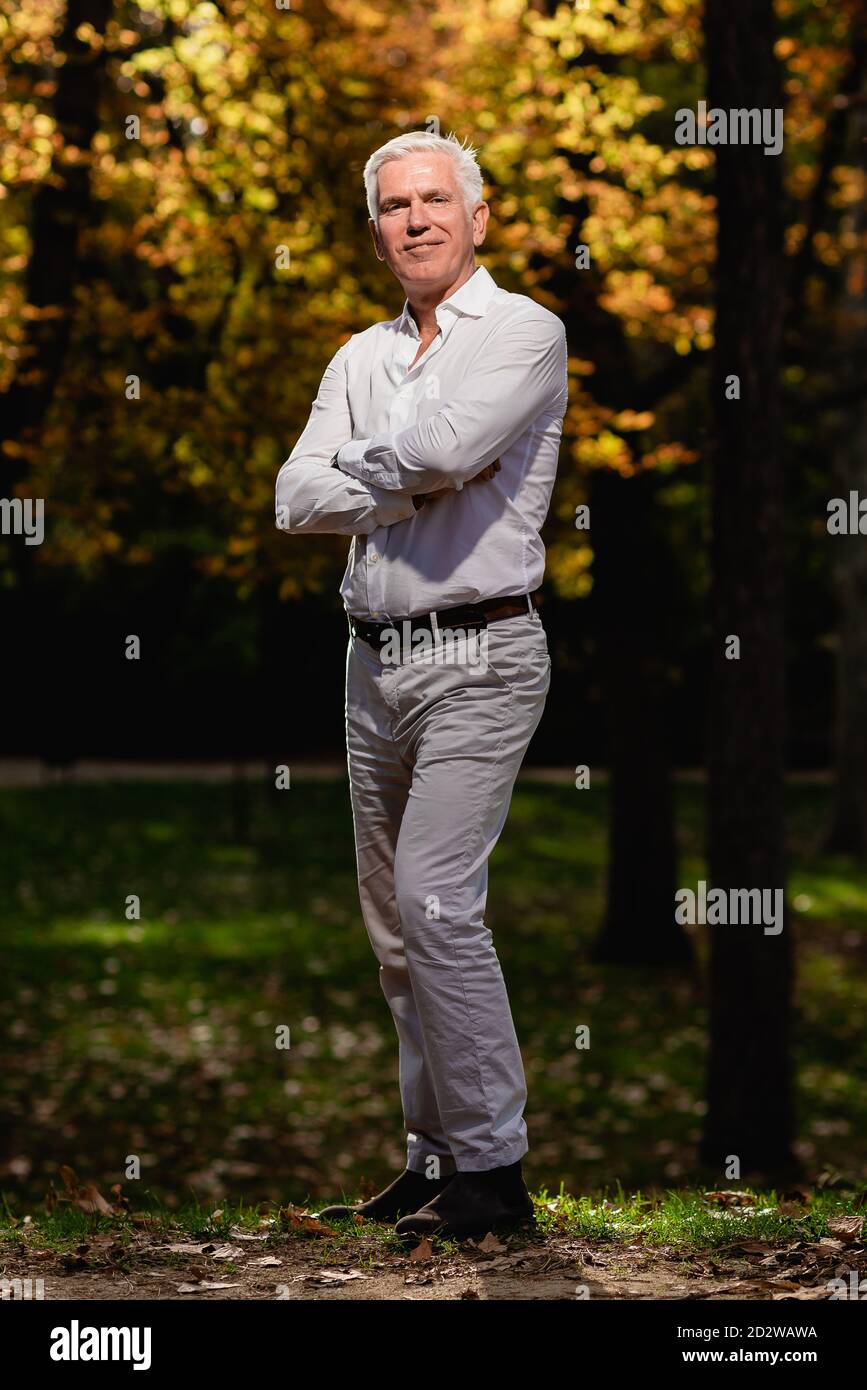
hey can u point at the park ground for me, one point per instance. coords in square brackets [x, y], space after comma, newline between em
[730, 1244]
[154, 1037]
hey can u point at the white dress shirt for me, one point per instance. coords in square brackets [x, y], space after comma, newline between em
[491, 385]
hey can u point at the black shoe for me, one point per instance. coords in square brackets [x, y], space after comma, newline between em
[406, 1194]
[472, 1204]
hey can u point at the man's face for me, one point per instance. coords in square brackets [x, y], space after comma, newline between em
[425, 233]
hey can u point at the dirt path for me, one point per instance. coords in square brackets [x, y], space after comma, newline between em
[546, 1269]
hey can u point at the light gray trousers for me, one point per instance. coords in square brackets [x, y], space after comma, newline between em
[433, 753]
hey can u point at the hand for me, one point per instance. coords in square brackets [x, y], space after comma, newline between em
[488, 472]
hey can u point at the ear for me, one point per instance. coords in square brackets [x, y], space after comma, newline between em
[481, 213]
[377, 240]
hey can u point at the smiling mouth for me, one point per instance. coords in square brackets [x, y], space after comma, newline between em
[424, 246]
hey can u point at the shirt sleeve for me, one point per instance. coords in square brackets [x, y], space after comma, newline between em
[312, 496]
[522, 374]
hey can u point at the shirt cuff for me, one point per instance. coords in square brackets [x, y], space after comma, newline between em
[389, 506]
[350, 460]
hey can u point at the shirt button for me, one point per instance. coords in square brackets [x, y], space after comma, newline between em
[373, 558]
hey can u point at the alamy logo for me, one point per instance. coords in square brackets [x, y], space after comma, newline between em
[737, 905]
[452, 646]
[405, 403]
[856, 1288]
[741, 126]
[22, 1289]
[76, 1343]
[847, 517]
[23, 516]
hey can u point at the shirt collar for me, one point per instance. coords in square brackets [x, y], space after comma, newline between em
[473, 299]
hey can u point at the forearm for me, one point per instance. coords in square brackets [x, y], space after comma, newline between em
[312, 498]
[411, 461]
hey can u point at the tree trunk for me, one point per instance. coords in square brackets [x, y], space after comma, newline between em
[749, 1082]
[848, 832]
[849, 553]
[631, 593]
[638, 926]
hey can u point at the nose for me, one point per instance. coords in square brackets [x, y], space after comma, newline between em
[418, 219]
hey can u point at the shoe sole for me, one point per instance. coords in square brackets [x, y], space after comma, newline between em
[341, 1213]
[505, 1224]
[346, 1212]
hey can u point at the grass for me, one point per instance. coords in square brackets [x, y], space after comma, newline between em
[154, 1039]
[674, 1219]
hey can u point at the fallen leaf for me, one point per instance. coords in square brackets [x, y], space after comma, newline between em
[334, 1276]
[91, 1200]
[846, 1228]
[204, 1284]
[301, 1223]
[423, 1251]
[491, 1245]
[85, 1195]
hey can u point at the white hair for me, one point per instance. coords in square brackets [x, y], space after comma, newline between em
[467, 171]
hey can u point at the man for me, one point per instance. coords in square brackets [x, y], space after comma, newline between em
[467, 386]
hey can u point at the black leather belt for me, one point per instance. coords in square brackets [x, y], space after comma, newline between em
[466, 615]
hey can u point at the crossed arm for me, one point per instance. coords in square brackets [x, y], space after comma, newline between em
[312, 496]
[380, 481]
